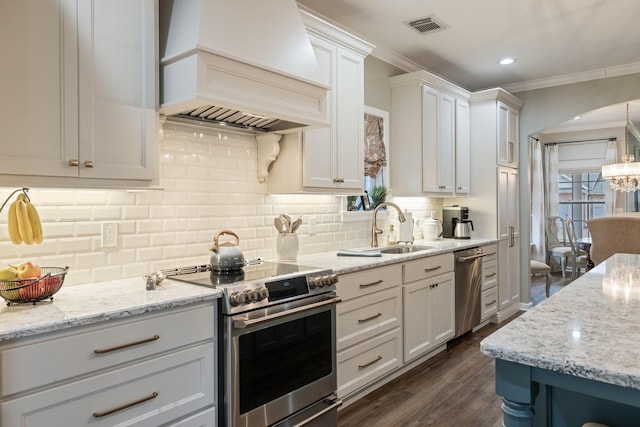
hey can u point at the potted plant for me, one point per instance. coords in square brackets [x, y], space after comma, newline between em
[378, 194]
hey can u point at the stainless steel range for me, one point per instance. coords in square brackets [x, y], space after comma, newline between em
[279, 343]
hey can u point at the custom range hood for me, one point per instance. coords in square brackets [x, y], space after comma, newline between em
[245, 64]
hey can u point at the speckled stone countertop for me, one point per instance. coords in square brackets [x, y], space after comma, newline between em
[80, 305]
[589, 329]
[92, 303]
[350, 264]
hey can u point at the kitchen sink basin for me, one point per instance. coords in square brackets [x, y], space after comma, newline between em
[404, 249]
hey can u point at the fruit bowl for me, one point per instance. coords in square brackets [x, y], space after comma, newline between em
[34, 289]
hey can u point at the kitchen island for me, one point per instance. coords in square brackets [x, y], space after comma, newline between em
[575, 357]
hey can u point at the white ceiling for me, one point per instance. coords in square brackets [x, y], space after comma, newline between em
[553, 41]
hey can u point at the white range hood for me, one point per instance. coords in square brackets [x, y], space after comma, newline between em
[244, 63]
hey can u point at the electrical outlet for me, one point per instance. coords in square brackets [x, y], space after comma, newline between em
[109, 234]
[312, 225]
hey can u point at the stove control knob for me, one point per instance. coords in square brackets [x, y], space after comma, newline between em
[250, 296]
[237, 298]
[261, 293]
[315, 282]
[334, 279]
[326, 280]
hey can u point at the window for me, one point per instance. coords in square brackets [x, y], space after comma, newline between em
[582, 197]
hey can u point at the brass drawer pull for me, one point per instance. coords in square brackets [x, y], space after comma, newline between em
[119, 347]
[490, 275]
[73, 162]
[375, 316]
[427, 270]
[125, 406]
[366, 285]
[88, 164]
[490, 303]
[490, 254]
[377, 359]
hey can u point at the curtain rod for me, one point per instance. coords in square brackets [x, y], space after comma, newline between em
[581, 140]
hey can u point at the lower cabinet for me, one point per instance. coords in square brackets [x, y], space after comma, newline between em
[391, 315]
[429, 312]
[147, 370]
[369, 321]
[489, 297]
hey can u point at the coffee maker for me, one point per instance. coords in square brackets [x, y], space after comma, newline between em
[456, 222]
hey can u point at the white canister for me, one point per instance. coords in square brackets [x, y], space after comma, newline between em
[430, 229]
[287, 246]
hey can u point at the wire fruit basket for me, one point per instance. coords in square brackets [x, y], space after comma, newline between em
[35, 289]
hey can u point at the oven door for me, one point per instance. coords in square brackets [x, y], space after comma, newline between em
[279, 363]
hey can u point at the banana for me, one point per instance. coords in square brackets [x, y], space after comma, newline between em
[12, 224]
[24, 225]
[34, 219]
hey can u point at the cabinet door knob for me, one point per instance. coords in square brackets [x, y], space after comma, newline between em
[73, 162]
[338, 180]
[88, 164]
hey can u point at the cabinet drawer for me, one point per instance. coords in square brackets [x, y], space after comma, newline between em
[366, 282]
[366, 362]
[489, 301]
[365, 317]
[427, 267]
[206, 418]
[24, 367]
[491, 252]
[184, 383]
[489, 274]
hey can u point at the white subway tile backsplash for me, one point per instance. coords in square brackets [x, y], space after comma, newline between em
[209, 183]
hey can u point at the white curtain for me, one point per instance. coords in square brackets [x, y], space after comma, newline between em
[611, 156]
[537, 202]
[552, 207]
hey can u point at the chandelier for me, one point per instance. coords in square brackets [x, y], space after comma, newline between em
[624, 176]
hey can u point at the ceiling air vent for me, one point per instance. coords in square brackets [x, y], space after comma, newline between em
[427, 25]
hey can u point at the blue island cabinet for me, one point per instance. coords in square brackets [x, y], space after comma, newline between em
[575, 357]
[542, 398]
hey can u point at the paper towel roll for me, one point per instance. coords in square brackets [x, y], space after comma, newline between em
[405, 229]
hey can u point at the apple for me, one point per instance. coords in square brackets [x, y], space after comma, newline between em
[28, 270]
[8, 273]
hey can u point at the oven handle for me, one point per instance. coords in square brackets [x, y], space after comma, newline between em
[335, 404]
[243, 324]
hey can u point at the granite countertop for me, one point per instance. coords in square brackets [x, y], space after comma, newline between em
[86, 304]
[350, 264]
[96, 302]
[589, 329]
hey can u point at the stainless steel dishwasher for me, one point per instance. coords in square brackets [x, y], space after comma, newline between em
[468, 271]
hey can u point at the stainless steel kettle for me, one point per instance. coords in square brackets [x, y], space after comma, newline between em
[226, 256]
[462, 229]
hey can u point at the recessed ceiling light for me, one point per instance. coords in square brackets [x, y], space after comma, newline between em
[507, 61]
[576, 118]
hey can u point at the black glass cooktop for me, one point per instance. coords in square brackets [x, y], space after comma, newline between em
[249, 273]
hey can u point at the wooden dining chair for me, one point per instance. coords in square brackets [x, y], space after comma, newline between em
[559, 245]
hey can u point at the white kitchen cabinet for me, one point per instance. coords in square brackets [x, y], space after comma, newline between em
[463, 149]
[489, 296]
[429, 133]
[508, 118]
[429, 314]
[78, 86]
[156, 365]
[328, 159]
[509, 235]
[369, 327]
[493, 203]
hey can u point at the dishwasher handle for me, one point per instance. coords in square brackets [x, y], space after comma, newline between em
[469, 258]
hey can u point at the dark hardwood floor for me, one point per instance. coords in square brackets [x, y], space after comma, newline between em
[454, 388]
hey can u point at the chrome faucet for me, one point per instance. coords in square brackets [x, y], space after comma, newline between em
[374, 228]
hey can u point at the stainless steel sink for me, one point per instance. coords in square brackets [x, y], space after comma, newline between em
[404, 249]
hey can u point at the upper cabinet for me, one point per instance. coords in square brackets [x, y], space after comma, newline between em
[508, 118]
[329, 159]
[78, 86]
[429, 133]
